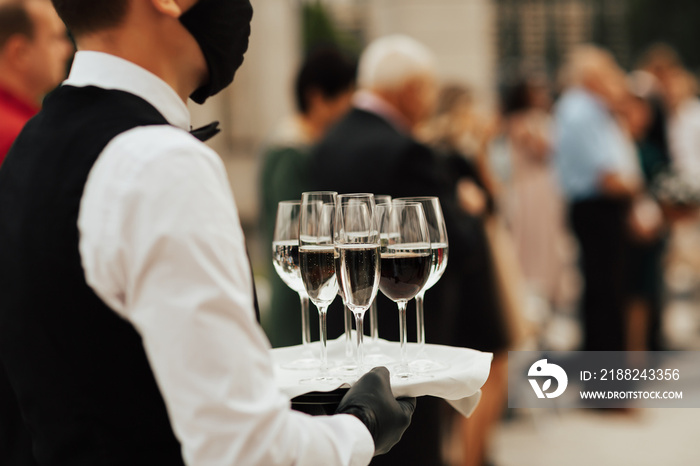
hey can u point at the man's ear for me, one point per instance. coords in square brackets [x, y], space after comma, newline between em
[15, 49]
[313, 96]
[171, 8]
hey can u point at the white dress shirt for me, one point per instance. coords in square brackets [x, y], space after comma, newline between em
[162, 245]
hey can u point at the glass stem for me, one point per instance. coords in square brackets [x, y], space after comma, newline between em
[305, 327]
[402, 336]
[420, 323]
[324, 338]
[373, 322]
[359, 316]
[348, 332]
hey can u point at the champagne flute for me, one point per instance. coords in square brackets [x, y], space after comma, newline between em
[379, 199]
[405, 256]
[357, 242]
[317, 262]
[347, 364]
[439, 249]
[285, 258]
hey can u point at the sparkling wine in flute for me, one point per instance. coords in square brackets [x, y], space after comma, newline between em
[359, 269]
[347, 316]
[317, 265]
[339, 277]
[404, 273]
[285, 258]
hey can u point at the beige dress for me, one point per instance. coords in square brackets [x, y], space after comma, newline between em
[534, 207]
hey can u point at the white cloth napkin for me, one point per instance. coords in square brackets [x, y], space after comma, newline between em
[460, 383]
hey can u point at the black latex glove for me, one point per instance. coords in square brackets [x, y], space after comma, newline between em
[371, 400]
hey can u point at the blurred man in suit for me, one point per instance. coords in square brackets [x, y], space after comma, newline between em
[373, 149]
[599, 175]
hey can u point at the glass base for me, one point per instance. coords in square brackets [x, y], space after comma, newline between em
[426, 364]
[379, 359]
[345, 367]
[350, 372]
[322, 378]
[302, 364]
[400, 373]
[403, 375]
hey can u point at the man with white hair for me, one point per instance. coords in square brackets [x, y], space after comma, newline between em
[372, 149]
[397, 81]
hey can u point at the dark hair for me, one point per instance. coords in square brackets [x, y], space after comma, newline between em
[516, 98]
[15, 19]
[85, 16]
[327, 70]
[523, 94]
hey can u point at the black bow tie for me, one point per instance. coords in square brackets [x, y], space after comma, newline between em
[206, 132]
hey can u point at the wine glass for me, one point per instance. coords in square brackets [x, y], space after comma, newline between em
[317, 262]
[285, 258]
[347, 364]
[405, 257]
[357, 242]
[439, 249]
[379, 199]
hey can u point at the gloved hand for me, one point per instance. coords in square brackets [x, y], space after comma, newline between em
[371, 401]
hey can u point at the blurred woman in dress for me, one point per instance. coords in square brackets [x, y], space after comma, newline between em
[460, 136]
[532, 203]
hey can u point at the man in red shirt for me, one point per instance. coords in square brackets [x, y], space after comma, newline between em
[34, 49]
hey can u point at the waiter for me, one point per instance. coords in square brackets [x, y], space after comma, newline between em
[127, 322]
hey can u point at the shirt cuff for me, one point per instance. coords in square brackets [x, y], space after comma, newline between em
[365, 446]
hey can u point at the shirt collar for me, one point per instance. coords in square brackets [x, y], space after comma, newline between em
[371, 102]
[110, 72]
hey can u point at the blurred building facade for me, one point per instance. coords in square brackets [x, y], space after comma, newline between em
[536, 35]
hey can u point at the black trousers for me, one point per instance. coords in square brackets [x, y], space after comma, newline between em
[600, 226]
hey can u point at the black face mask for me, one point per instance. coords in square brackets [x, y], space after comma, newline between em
[221, 28]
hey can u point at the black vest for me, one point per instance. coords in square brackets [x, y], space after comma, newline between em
[80, 373]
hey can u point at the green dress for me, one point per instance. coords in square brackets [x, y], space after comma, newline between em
[284, 177]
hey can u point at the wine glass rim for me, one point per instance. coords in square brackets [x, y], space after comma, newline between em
[412, 203]
[290, 202]
[417, 198]
[319, 193]
[355, 194]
